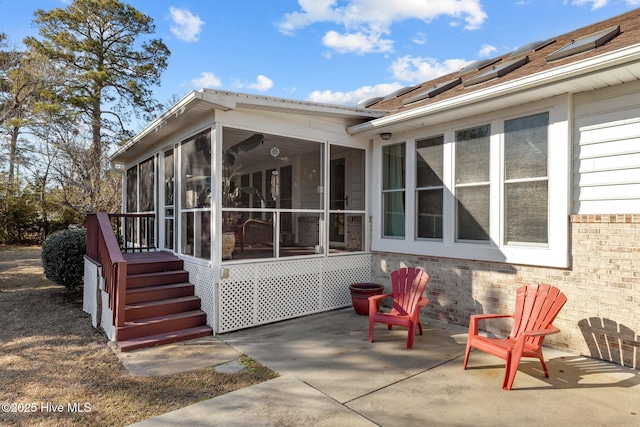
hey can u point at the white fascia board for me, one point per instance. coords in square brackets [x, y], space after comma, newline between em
[553, 76]
[238, 100]
[174, 112]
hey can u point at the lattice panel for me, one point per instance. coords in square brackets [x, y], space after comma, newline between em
[287, 290]
[338, 274]
[267, 292]
[236, 299]
[202, 279]
[107, 318]
[90, 291]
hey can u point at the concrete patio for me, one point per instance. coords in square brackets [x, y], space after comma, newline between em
[331, 375]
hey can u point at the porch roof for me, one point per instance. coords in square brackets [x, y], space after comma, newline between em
[197, 103]
[537, 77]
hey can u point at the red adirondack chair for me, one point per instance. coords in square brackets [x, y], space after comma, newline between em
[408, 288]
[536, 308]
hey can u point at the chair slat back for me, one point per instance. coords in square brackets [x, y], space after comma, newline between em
[537, 306]
[408, 287]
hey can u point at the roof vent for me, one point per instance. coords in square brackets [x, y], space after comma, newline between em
[504, 68]
[435, 90]
[583, 44]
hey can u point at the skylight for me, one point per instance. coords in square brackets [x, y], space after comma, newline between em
[504, 68]
[399, 92]
[477, 65]
[435, 90]
[530, 47]
[368, 102]
[585, 43]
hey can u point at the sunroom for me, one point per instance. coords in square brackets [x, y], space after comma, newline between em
[263, 199]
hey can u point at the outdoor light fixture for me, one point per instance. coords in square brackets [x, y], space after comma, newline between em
[385, 136]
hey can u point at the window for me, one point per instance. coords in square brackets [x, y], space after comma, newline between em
[472, 184]
[526, 182]
[169, 208]
[429, 187]
[495, 190]
[393, 190]
[195, 196]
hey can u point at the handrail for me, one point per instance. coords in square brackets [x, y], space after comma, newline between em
[136, 230]
[102, 246]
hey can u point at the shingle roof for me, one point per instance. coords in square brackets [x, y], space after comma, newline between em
[629, 24]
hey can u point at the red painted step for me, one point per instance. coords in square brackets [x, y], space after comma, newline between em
[143, 310]
[160, 324]
[156, 278]
[154, 293]
[165, 338]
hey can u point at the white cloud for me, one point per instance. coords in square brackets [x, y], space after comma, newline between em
[365, 21]
[487, 50]
[359, 42]
[355, 96]
[262, 83]
[595, 4]
[186, 25]
[420, 38]
[207, 79]
[416, 69]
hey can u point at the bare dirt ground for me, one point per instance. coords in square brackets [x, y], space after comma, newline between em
[56, 369]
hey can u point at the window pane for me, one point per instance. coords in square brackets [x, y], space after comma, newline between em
[347, 185]
[196, 172]
[526, 212]
[525, 147]
[429, 162]
[473, 213]
[393, 167]
[187, 233]
[132, 189]
[146, 186]
[202, 238]
[169, 178]
[472, 155]
[393, 214]
[429, 214]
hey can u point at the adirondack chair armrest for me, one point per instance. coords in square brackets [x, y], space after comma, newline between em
[379, 297]
[475, 319]
[423, 302]
[544, 332]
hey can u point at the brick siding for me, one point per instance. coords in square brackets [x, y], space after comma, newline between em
[601, 318]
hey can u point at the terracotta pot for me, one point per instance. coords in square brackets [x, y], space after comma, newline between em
[360, 293]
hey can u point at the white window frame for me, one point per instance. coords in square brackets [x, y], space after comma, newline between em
[554, 254]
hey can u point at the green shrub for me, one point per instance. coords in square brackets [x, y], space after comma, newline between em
[62, 257]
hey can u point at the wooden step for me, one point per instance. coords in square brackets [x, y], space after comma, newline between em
[156, 278]
[154, 293]
[161, 324]
[142, 310]
[150, 262]
[165, 338]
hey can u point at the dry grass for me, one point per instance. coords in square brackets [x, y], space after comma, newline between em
[50, 355]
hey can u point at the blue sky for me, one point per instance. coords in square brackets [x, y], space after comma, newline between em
[335, 51]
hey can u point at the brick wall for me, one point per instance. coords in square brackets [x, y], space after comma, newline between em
[601, 318]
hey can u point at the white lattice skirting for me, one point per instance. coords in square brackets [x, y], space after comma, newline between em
[260, 293]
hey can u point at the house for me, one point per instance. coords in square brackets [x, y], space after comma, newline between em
[522, 168]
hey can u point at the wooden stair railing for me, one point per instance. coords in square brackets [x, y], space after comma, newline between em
[102, 246]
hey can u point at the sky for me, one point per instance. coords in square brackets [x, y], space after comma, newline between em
[332, 51]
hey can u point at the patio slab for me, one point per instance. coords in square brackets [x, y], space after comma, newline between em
[332, 375]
